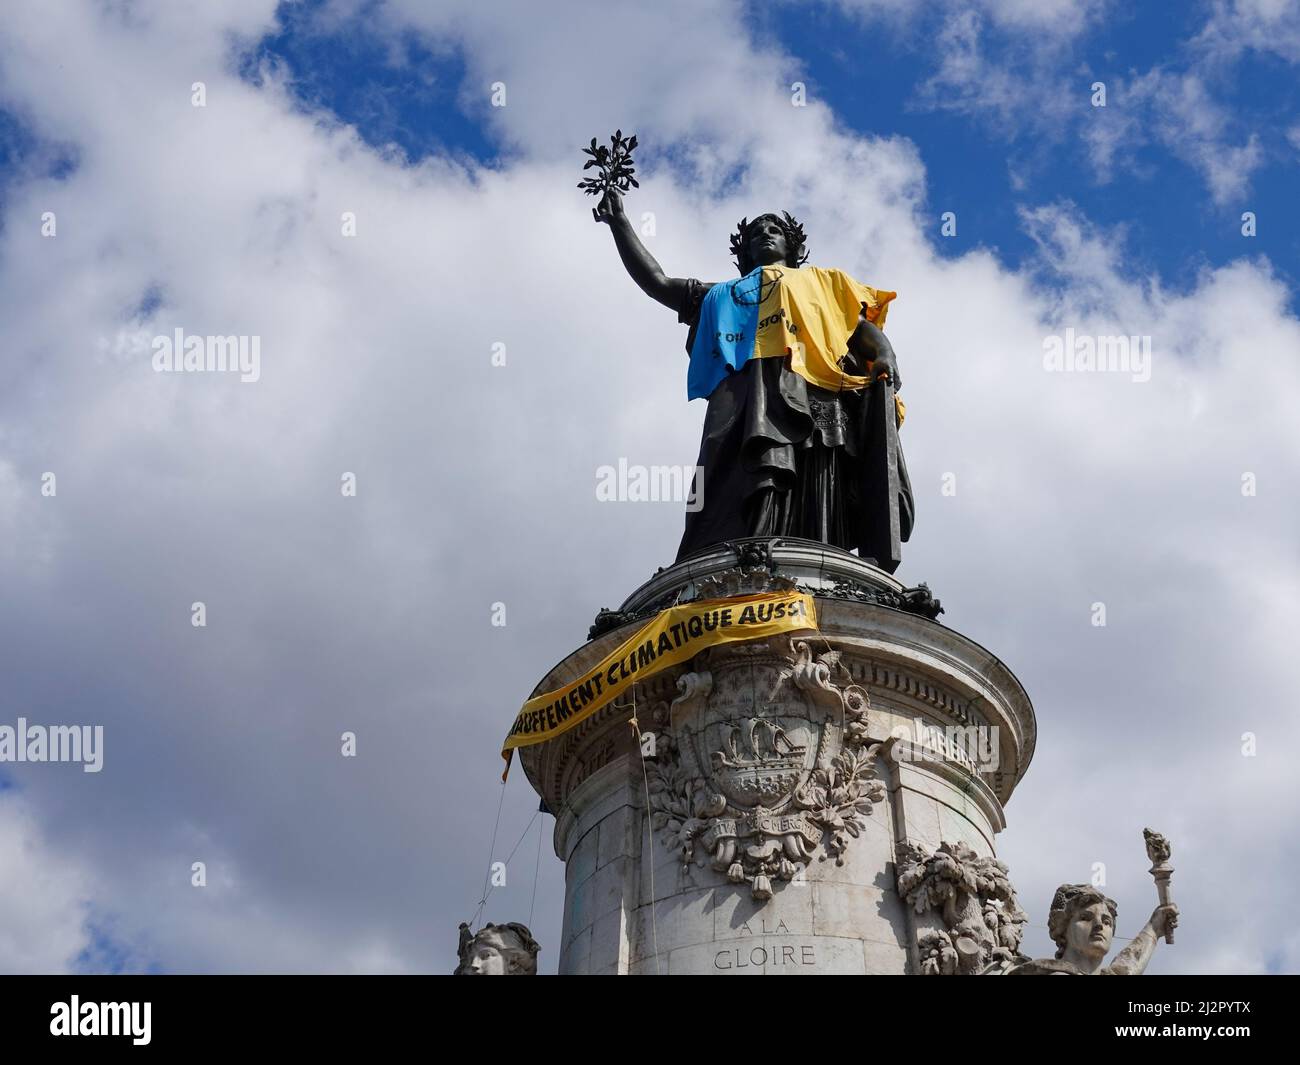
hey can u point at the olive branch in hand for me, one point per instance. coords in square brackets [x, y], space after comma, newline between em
[615, 166]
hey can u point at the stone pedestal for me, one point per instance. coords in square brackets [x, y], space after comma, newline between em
[789, 780]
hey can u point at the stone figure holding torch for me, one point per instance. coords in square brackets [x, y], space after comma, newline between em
[1082, 924]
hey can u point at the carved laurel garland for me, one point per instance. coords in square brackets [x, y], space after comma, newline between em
[974, 898]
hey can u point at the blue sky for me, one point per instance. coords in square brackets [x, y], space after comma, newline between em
[410, 90]
[1172, 227]
[393, 89]
[876, 74]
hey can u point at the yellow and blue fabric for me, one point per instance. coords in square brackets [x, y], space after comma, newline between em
[806, 312]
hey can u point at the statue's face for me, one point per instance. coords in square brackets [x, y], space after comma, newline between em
[486, 956]
[766, 242]
[1090, 930]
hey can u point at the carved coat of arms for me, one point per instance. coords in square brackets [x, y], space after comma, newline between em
[762, 759]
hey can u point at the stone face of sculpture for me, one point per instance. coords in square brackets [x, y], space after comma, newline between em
[497, 950]
[800, 436]
[1082, 924]
[763, 760]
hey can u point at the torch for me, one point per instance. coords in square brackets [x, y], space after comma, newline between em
[1158, 851]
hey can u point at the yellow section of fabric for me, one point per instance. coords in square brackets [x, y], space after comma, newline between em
[809, 313]
[669, 638]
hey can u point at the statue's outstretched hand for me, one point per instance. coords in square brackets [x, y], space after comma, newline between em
[609, 208]
[1164, 919]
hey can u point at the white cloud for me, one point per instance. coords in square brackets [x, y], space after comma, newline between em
[43, 897]
[1237, 26]
[1058, 18]
[967, 81]
[1176, 112]
[1050, 22]
[477, 484]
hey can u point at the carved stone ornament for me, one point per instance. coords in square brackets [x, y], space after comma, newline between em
[762, 762]
[919, 600]
[742, 580]
[982, 921]
[608, 620]
[755, 554]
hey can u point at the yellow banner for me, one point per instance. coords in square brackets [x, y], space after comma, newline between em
[673, 636]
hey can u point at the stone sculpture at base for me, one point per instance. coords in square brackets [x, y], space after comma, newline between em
[1082, 924]
[497, 950]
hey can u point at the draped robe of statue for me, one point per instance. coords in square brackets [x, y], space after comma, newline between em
[780, 455]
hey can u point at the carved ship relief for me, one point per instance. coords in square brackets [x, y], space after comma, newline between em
[763, 762]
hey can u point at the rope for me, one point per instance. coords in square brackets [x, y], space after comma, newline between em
[537, 870]
[650, 828]
[492, 847]
[487, 890]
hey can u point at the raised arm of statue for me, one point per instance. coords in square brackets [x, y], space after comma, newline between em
[1082, 923]
[641, 266]
[1133, 959]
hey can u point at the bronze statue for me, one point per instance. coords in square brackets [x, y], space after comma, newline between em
[800, 437]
